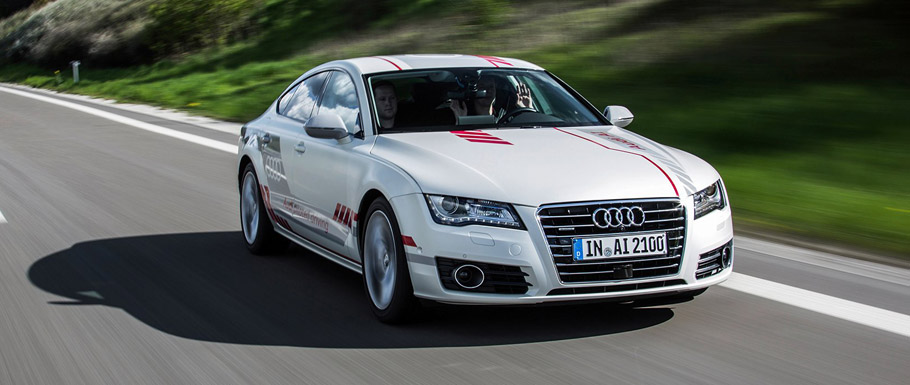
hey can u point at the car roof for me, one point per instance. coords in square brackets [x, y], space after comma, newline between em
[375, 64]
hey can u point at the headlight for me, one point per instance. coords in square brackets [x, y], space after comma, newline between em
[709, 199]
[455, 211]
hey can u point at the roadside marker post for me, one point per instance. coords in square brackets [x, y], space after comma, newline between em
[75, 64]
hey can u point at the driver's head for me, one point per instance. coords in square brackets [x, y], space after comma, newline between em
[386, 100]
[488, 84]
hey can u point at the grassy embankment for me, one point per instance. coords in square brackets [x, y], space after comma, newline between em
[804, 120]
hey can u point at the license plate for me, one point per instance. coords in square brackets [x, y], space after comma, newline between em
[622, 246]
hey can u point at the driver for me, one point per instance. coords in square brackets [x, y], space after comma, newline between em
[484, 105]
[386, 103]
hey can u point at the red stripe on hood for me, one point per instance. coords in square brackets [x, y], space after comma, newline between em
[627, 152]
[390, 62]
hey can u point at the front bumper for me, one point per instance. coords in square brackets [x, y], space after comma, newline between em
[529, 251]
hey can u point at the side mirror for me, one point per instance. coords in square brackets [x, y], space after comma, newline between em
[618, 115]
[326, 126]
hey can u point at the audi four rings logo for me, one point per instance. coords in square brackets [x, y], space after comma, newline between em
[618, 217]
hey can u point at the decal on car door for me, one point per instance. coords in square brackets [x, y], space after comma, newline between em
[279, 200]
[274, 167]
[344, 216]
[291, 213]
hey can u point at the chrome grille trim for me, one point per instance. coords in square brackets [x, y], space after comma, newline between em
[611, 271]
[567, 227]
[668, 230]
[563, 216]
[618, 261]
[562, 222]
[666, 220]
[660, 211]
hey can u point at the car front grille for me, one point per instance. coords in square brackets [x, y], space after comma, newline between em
[563, 222]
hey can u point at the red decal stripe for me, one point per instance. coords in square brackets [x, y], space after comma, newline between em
[408, 241]
[475, 136]
[627, 152]
[268, 202]
[479, 137]
[389, 61]
[495, 61]
[345, 216]
[267, 199]
[470, 133]
[337, 210]
[498, 141]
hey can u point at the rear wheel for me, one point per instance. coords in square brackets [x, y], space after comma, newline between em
[385, 268]
[258, 233]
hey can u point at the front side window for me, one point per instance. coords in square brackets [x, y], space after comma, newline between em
[470, 98]
[301, 106]
[340, 98]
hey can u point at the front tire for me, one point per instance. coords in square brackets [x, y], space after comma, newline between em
[258, 233]
[385, 267]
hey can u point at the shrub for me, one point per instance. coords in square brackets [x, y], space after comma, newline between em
[98, 32]
[184, 25]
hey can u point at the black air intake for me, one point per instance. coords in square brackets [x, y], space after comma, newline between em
[715, 261]
[499, 279]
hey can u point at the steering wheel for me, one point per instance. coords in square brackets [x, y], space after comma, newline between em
[512, 114]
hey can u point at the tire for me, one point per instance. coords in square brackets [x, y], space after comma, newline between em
[258, 232]
[386, 279]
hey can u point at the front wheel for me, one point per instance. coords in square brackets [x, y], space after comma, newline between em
[385, 268]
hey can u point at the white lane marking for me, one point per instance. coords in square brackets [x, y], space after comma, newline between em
[210, 143]
[825, 304]
[2, 218]
[820, 303]
[158, 112]
[890, 274]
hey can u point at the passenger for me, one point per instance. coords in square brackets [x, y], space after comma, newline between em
[485, 105]
[386, 103]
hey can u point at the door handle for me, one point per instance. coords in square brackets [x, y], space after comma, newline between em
[300, 147]
[265, 138]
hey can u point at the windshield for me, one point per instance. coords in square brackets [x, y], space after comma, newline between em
[464, 98]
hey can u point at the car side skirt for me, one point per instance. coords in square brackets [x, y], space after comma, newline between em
[319, 250]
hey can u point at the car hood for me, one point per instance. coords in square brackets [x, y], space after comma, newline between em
[538, 166]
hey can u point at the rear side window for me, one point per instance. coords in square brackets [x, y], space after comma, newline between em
[340, 98]
[286, 99]
[306, 95]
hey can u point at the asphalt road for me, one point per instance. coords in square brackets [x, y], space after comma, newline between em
[121, 262]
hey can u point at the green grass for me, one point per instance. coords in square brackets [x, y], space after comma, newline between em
[806, 123]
